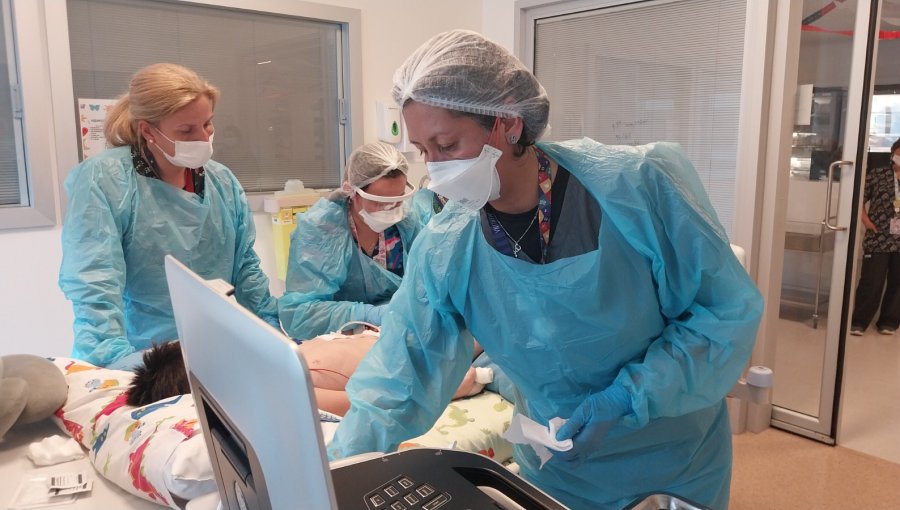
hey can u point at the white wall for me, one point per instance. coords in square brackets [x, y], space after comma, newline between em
[826, 64]
[34, 315]
[499, 23]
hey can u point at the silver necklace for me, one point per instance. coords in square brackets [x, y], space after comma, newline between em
[516, 246]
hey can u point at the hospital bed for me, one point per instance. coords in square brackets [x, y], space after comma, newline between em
[155, 455]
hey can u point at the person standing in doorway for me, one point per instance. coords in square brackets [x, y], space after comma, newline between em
[880, 278]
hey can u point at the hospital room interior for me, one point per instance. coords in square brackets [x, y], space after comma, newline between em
[783, 112]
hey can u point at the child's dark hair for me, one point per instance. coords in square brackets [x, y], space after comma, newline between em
[162, 375]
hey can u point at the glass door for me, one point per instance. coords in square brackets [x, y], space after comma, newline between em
[826, 166]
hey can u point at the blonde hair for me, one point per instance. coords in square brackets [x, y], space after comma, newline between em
[155, 92]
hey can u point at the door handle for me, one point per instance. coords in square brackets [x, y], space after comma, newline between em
[826, 221]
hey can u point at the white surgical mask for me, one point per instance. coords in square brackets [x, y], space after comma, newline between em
[188, 154]
[471, 182]
[379, 221]
[896, 160]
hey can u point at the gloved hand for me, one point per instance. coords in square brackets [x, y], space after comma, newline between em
[374, 314]
[591, 420]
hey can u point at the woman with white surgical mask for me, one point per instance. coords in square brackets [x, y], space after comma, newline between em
[348, 252]
[156, 192]
[597, 277]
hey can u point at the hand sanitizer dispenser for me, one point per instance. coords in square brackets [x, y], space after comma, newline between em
[389, 126]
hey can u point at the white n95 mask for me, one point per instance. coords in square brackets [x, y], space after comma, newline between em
[379, 221]
[471, 182]
[188, 154]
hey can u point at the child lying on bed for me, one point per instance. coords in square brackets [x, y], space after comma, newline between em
[331, 362]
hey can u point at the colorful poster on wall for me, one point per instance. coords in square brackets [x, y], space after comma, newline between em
[91, 117]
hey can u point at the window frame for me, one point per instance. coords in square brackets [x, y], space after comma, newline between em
[756, 72]
[34, 86]
[350, 68]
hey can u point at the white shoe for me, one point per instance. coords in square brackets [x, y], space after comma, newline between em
[857, 331]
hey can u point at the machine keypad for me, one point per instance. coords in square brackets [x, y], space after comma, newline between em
[436, 502]
[404, 493]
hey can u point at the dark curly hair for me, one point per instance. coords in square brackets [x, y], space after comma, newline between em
[162, 375]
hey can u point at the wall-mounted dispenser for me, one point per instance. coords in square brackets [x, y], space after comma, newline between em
[390, 128]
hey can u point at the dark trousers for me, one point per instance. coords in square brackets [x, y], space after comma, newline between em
[879, 282]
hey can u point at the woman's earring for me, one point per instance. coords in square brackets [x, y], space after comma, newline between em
[513, 139]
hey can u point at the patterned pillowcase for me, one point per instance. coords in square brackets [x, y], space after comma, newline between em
[147, 451]
[473, 424]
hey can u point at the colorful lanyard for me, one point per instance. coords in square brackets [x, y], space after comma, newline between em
[502, 239]
[393, 245]
[388, 251]
[544, 197]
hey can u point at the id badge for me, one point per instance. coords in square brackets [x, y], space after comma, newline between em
[895, 226]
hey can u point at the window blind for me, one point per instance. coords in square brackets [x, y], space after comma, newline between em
[11, 192]
[278, 113]
[651, 72]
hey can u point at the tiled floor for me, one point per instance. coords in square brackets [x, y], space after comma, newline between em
[870, 418]
[780, 470]
[870, 401]
[799, 355]
[776, 470]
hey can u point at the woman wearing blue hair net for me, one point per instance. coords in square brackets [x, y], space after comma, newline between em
[156, 192]
[597, 277]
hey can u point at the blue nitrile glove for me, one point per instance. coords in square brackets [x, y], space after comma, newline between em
[130, 362]
[374, 314]
[591, 420]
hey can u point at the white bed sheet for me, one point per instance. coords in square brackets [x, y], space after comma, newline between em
[14, 465]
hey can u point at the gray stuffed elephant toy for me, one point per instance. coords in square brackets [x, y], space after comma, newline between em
[31, 389]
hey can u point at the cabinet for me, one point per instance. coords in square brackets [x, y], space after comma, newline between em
[816, 138]
[806, 288]
[808, 245]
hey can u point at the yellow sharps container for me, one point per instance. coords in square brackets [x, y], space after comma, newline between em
[283, 205]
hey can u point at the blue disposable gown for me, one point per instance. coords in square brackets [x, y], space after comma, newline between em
[424, 204]
[118, 229]
[662, 309]
[330, 281]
